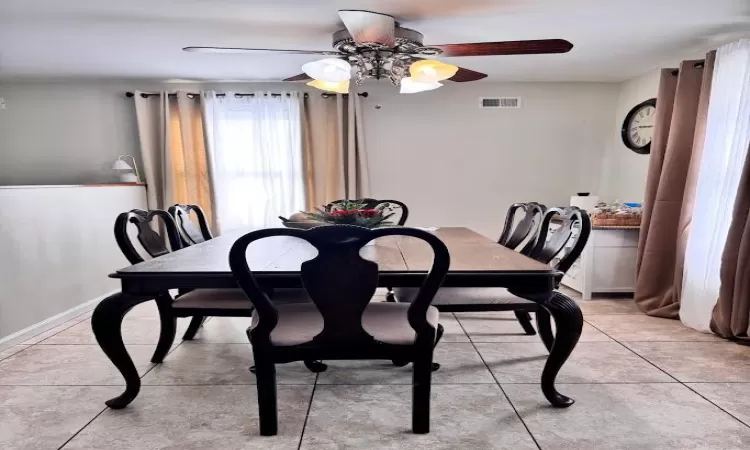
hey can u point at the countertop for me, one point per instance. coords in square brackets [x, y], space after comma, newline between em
[59, 186]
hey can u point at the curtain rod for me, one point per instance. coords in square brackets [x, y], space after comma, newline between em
[193, 94]
[698, 65]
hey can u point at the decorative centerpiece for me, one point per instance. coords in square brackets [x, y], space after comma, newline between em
[346, 212]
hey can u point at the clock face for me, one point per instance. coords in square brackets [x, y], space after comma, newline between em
[638, 127]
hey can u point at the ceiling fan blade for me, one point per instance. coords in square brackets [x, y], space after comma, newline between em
[506, 48]
[369, 27]
[257, 50]
[467, 75]
[300, 77]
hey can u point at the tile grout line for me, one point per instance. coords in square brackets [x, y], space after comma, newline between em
[106, 407]
[364, 384]
[64, 329]
[78, 322]
[446, 342]
[28, 346]
[505, 394]
[307, 414]
[153, 365]
[670, 375]
[82, 428]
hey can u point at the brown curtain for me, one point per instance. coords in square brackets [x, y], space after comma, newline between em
[676, 147]
[173, 148]
[334, 150]
[731, 315]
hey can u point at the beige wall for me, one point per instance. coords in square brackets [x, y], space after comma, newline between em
[451, 161]
[63, 133]
[623, 173]
[456, 164]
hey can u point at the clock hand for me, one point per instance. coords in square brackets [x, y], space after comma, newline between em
[645, 126]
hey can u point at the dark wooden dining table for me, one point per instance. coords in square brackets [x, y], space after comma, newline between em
[476, 261]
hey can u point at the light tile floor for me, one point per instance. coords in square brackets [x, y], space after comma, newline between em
[639, 383]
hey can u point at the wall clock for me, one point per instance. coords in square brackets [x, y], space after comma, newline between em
[638, 127]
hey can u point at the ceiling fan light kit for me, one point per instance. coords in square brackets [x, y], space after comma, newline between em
[329, 69]
[409, 86]
[339, 87]
[431, 71]
[374, 45]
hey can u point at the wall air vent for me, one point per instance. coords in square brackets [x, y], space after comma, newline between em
[500, 102]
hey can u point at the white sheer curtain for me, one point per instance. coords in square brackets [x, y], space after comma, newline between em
[256, 158]
[727, 137]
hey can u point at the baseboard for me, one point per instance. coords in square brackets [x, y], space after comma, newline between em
[47, 324]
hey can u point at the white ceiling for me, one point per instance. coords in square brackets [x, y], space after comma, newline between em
[613, 39]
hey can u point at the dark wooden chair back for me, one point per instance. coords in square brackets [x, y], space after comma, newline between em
[529, 225]
[339, 281]
[189, 233]
[549, 245]
[392, 206]
[151, 241]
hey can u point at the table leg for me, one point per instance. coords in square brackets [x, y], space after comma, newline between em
[106, 323]
[569, 322]
[168, 328]
[544, 326]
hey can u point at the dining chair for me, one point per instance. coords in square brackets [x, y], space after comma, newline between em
[391, 205]
[525, 231]
[341, 323]
[522, 237]
[196, 303]
[189, 233]
[560, 248]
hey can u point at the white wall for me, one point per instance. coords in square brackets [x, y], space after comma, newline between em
[456, 164]
[623, 172]
[63, 133]
[58, 248]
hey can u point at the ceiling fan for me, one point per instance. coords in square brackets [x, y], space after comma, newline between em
[374, 45]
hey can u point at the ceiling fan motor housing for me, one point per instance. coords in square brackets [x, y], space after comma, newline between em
[406, 41]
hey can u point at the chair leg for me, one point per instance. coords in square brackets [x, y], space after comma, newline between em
[168, 328]
[265, 372]
[435, 366]
[316, 366]
[195, 323]
[438, 334]
[421, 387]
[544, 325]
[524, 318]
[391, 296]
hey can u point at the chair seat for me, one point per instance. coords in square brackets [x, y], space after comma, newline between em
[234, 299]
[229, 299]
[386, 322]
[465, 296]
[290, 295]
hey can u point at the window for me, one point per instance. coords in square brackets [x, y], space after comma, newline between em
[257, 160]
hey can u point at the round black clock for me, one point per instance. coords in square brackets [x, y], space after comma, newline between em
[638, 127]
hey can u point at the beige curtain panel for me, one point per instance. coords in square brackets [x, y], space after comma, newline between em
[676, 147]
[731, 315]
[173, 148]
[333, 148]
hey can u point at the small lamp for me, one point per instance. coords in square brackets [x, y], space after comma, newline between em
[125, 169]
